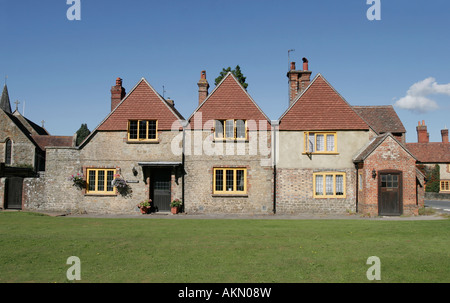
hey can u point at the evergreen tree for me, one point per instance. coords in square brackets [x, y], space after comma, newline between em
[236, 72]
[82, 133]
[433, 179]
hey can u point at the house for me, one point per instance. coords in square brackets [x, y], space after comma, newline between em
[228, 152]
[430, 154]
[328, 151]
[133, 144]
[322, 155]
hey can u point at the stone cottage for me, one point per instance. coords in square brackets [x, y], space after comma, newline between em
[131, 146]
[228, 152]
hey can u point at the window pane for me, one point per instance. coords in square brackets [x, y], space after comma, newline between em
[133, 129]
[219, 180]
[109, 178]
[395, 181]
[311, 143]
[319, 185]
[91, 180]
[330, 143]
[240, 129]
[339, 185]
[101, 180]
[151, 130]
[229, 180]
[383, 181]
[320, 143]
[240, 180]
[8, 152]
[229, 128]
[329, 185]
[389, 181]
[142, 130]
[219, 129]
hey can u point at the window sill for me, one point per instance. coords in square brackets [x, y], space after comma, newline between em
[231, 195]
[100, 195]
[143, 141]
[230, 140]
[321, 153]
[329, 197]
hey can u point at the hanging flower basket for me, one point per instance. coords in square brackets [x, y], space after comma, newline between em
[78, 181]
[121, 185]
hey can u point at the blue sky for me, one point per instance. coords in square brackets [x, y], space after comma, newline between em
[63, 70]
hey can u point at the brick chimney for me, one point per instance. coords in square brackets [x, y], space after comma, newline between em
[203, 86]
[298, 80]
[444, 133]
[117, 94]
[422, 134]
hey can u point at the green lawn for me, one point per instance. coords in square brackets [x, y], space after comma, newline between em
[35, 248]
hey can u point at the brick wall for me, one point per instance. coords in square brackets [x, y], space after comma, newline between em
[389, 155]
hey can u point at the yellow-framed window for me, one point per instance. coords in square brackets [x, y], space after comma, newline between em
[329, 185]
[320, 142]
[143, 130]
[230, 181]
[445, 185]
[230, 129]
[99, 181]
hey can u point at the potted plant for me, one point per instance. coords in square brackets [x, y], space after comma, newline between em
[175, 206]
[145, 206]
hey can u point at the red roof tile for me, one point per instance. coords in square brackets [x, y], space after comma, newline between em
[320, 107]
[142, 103]
[228, 101]
[383, 119]
[53, 141]
[431, 152]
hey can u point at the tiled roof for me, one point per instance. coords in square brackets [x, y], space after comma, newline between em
[141, 103]
[382, 119]
[320, 107]
[372, 145]
[229, 100]
[51, 141]
[431, 152]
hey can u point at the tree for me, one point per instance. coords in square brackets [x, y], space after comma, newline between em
[82, 133]
[433, 179]
[236, 72]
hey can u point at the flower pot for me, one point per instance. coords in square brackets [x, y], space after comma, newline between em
[174, 210]
[144, 210]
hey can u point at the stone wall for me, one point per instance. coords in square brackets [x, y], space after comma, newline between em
[295, 193]
[104, 150]
[200, 166]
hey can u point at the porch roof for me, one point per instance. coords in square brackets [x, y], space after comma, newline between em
[160, 163]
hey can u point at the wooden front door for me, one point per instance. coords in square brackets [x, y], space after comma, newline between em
[160, 189]
[390, 200]
[13, 193]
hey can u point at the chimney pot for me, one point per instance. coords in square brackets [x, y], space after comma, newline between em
[305, 64]
[292, 65]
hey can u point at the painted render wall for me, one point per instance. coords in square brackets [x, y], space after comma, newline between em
[295, 173]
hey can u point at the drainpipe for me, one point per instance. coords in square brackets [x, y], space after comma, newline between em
[184, 123]
[275, 124]
[357, 186]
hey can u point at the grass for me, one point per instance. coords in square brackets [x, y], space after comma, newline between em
[34, 248]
